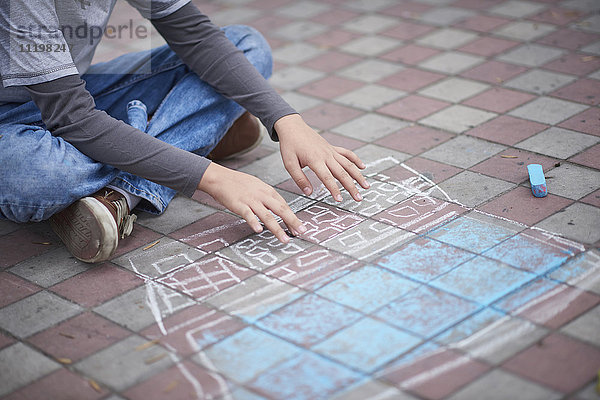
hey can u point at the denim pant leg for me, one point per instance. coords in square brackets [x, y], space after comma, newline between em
[194, 117]
[41, 174]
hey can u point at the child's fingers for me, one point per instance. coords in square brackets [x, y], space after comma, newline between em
[250, 218]
[279, 207]
[295, 171]
[350, 155]
[353, 170]
[324, 174]
[267, 218]
[345, 179]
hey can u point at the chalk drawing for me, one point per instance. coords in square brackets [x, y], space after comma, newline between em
[228, 279]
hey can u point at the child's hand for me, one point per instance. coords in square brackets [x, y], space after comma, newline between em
[301, 146]
[250, 197]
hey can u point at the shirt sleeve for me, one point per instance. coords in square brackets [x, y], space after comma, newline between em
[32, 47]
[207, 51]
[151, 9]
[69, 112]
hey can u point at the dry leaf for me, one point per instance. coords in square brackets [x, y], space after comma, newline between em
[172, 385]
[44, 243]
[151, 245]
[588, 58]
[505, 156]
[95, 385]
[63, 360]
[156, 358]
[66, 335]
[146, 345]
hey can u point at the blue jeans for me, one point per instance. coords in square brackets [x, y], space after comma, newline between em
[41, 174]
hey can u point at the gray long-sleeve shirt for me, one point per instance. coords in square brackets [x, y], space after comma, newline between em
[68, 110]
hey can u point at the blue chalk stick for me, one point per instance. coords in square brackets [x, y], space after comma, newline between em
[537, 180]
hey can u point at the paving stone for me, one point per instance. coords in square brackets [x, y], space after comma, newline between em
[451, 62]
[78, 337]
[509, 337]
[372, 389]
[247, 354]
[14, 288]
[507, 130]
[369, 45]
[31, 366]
[445, 15]
[180, 212]
[531, 55]
[573, 303]
[447, 38]
[592, 198]
[36, 313]
[521, 206]
[463, 151]
[370, 127]
[539, 81]
[368, 5]
[313, 269]
[483, 23]
[525, 30]
[568, 363]
[124, 364]
[25, 243]
[214, 232]
[585, 327]
[331, 61]
[576, 271]
[306, 376]
[471, 189]
[300, 102]
[262, 250]
[370, 71]
[547, 110]
[367, 289]
[488, 46]
[578, 222]
[586, 122]
[589, 157]
[50, 268]
[97, 285]
[323, 117]
[558, 142]
[206, 276]
[517, 9]
[413, 107]
[499, 384]
[454, 89]
[524, 297]
[458, 118]
[419, 173]
[475, 233]
[324, 222]
[498, 100]
[417, 377]
[266, 295]
[295, 53]
[330, 87]
[572, 181]
[494, 72]
[582, 91]
[410, 54]
[189, 380]
[379, 343]
[135, 309]
[303, 9]
[482, 280]
[269, 169]
[414, 139]
[424, 259]
[298, 30]
[293, 77]
[53, 386]
[166, 256]
[369, 24]
[470, 326]
[323, 317]
[426, 311]
[8, 227]
[370, 97]
[511, 163]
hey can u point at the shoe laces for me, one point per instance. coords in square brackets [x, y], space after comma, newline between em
[124, 219]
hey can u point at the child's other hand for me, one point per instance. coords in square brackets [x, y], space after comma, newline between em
[250, 197]
[301, 146]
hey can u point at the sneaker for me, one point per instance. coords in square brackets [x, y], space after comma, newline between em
[91, 227]
[243, 136]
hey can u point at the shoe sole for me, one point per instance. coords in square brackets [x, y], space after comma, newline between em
[87, 229]
[250, 148]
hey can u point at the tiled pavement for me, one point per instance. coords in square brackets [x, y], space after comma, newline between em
[450, 280]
